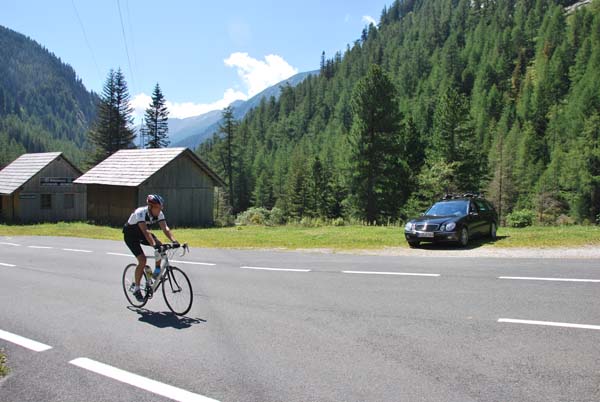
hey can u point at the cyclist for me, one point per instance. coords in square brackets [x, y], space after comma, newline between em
[136, 233]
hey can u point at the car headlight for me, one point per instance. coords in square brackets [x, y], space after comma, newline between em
[450, 226]
[408, 227]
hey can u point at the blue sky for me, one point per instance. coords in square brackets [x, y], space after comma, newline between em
[204, 55]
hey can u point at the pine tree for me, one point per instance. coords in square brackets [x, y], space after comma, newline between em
[112, 129]
[378, 175]
[155, 129]
[228, 129]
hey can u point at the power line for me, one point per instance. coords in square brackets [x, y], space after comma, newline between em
[87, 41]
[126, 49]
[131, 36]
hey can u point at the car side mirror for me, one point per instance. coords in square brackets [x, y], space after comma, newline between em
[422, 213]
[473, 213]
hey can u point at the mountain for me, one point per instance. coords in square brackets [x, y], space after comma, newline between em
[44, 106]
[494, 96]
[192, 131]
[180, 129]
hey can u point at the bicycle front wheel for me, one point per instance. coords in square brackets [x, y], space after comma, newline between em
[129, 281]
[177, 291]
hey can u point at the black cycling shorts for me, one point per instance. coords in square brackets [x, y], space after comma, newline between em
[135, 239]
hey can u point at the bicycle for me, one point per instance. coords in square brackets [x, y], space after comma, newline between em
[176, 287]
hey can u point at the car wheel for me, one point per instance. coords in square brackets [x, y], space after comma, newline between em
[493, 229]
[414, 244]
[464, 237]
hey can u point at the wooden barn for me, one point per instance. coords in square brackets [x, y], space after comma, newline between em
[120, 183]
[39, 188]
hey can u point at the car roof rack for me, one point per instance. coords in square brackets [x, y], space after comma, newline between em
[451, 196]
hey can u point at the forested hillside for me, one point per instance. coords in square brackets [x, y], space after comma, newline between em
[495, 96]
[43, 104]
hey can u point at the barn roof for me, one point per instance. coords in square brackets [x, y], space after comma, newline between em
[131, 167]
[22, 169]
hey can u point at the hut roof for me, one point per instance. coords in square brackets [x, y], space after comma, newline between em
[131, 167]
[22, 169]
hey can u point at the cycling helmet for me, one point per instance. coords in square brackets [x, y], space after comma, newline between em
[155, 199]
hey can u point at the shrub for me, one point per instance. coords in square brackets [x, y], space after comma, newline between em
[565, 220]
[520, 219]
[276, 217]
[253, 216]
[338, 222]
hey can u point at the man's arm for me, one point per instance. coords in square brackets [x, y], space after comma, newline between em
[144, 229]
[167, 231]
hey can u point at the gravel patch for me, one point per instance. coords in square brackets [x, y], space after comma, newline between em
[488, 252]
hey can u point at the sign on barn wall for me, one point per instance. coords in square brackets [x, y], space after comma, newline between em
[56, 181]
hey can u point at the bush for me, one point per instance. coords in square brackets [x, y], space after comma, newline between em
[276, 217]
[565, 220]
[338, 222]
[520, 219]
[253, 216]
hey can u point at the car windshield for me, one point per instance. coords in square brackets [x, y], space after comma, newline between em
[448, 208]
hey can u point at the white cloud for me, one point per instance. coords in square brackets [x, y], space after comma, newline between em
[256, 75]
[181, 110]
[367, 19]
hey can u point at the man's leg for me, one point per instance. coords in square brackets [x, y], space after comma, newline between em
[157, 259]
[139, 270]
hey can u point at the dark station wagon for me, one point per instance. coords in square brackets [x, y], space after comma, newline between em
[454, 219]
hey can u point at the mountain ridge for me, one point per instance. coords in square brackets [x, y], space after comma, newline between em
[196, 129]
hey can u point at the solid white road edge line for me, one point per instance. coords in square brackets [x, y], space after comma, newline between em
[388, 273]
[77, 250]
[549, 323]
[39, 247]
[525, 278]
[21, 341]
[126, 377]
[10, 244]
[7, 265]
[193, 263]
[277, 269]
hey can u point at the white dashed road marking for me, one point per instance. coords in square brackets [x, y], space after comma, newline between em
[10, 244]
[525, 278]
[76, 250]
[277, 269]
[39, 247]
[193, 263]
[549, 323]
[6, 265]
[138, 381]
[21, 341]
[388, 273]
[121, 254]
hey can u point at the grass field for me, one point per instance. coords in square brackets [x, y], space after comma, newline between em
[3, 367]
[326, 237]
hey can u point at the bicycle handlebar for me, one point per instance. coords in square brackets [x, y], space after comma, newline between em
[169, 246]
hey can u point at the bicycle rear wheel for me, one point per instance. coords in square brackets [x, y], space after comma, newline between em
[177, 291]
[128, 282]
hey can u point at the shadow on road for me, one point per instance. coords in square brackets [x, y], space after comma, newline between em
[164, 319]
[473, 244]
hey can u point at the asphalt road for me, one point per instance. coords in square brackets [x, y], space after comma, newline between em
[328, 327]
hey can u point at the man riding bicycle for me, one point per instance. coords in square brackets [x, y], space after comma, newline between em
[136, 233]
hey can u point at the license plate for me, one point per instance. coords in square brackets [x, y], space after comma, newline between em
[424, 234]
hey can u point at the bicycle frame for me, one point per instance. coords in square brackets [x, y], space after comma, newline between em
[165, 267]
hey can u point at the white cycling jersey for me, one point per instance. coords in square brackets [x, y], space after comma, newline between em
[142, 214]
